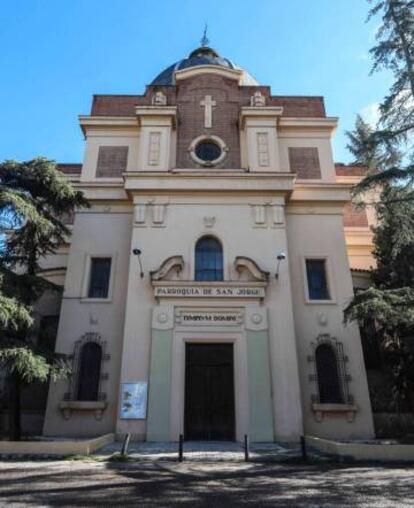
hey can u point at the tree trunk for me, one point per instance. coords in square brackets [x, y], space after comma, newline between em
[15, 428]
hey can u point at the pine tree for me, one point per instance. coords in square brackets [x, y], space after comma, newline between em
[394, 51]
[389, 304]
[33, 198]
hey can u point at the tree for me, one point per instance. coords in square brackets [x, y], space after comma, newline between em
[394, 51]
[388, 305]
[33, 198]
[386, 151]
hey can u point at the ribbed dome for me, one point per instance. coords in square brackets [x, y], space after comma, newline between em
[200, 56]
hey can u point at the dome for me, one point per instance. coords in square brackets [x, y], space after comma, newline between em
[201, 56]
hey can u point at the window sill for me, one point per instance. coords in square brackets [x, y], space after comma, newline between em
[320, 409]
[320, 302]
[67, 407]
[86, 299]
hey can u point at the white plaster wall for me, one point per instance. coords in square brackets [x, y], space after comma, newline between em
[322, 235]
[234, 227]
[94, 233]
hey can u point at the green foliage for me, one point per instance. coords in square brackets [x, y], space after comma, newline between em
[387, 152]
[389, 145]
[32, 366]
[34, 196]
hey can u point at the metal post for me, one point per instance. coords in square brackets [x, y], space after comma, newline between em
[180, 448]
[303, 447]
[125, 444]
[246, 448]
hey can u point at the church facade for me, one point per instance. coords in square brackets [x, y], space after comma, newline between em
[204, 288]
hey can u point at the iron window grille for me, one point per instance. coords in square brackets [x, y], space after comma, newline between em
[329, 372]
[76, 371]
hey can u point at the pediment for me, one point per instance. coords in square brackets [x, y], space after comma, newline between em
[248, 266]
[172, 265]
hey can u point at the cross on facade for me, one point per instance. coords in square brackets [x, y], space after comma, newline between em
[208, 103]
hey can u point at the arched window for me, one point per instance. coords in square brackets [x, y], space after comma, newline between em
[208, 259]
[89, 371]
[329, 385]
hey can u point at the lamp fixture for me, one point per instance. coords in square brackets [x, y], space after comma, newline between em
[280, 257]
[137, 252]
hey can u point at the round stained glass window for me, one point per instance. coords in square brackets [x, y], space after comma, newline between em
[208, 151]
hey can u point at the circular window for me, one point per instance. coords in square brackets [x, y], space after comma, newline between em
[207, 151]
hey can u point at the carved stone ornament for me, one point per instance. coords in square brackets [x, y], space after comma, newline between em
[173, 263]
[257, 99]
[159, 99]
[209, 221]
[244, 263]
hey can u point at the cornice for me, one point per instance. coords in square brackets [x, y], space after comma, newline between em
[104, 122]
[235, 74]
[219, 182]
[328, 123]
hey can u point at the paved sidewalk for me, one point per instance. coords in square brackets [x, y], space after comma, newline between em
[203, 484]
[204, 450]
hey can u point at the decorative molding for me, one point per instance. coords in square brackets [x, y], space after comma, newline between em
[258, 99]
[163, 317]
[158, 214]
[192, 149]
[208, 103]
[278, 216]
[321, 409]
[256, 318]
[68, 407]
[154, 148]
[343, 378]
[263, 155]
[139, 214]
[242, 263]
[159, 99]
[209, 221]
[259, 214]
[175, 263]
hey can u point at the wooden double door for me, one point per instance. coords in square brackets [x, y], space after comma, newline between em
[209, 392]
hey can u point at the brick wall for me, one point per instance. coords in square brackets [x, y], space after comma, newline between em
[225, 93]
[350, 170]
[112, 161]
[354, 218]
[305, 162]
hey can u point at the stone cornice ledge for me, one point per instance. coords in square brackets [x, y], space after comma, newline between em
[329, 122]
[206, 182]
[321, 192]
[86, 122]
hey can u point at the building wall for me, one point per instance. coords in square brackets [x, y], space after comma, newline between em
[322, 236]
[94, 233]
[256, 210]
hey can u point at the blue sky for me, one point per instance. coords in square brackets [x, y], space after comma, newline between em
[56, 54]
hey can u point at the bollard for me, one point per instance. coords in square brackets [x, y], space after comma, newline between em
[303, 447]
[125, 444]
[246, 448]
[180, 448]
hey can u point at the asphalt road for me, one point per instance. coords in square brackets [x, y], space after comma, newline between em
[193, 484]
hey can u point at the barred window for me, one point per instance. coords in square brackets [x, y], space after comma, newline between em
[328, 376]
[208, 259]
[89, 372]
[329, 371]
